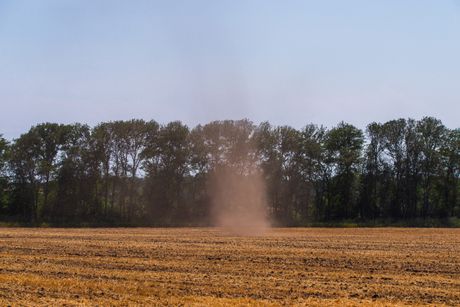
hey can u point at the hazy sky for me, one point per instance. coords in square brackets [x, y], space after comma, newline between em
[288, 62]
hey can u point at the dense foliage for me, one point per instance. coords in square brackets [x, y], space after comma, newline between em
[142, 173]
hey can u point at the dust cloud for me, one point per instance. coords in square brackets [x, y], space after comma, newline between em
[239, 201]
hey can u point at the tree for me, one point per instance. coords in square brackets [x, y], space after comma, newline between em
[77, 178]
[129, 141]
[167, 165]
[268, 139]
[3, 176]
[372, 172]
[140, 135]
[24, 164]
[432, 136]
[412, 164]
[394, 151]
[140, 173]
[34, 162]
[312, 168]
[101, 145]
[50, 139]
[450, 174]
[344, 145]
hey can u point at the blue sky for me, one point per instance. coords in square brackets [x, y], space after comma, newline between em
[288, 62]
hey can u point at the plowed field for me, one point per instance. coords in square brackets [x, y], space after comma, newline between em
[191, 266]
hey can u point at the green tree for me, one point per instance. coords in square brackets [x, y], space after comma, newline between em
[101, 145]
[77, 178]
[394, 146]
[33, 159]
[449, 184]
[370, 202]
[3, 176]
[137, 172]
[167, 164]
[432, 136]
[344, 145]
[129, 141]
[24, 163]
[51, 138]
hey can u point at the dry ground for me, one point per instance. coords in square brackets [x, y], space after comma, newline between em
[209, 267]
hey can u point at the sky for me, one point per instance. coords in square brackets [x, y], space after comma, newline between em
[287, 62]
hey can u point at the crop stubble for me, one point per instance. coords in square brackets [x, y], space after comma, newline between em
[193, 266]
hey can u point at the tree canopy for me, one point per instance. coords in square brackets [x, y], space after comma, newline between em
[143, 173]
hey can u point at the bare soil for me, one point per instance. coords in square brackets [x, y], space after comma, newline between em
[206, 266]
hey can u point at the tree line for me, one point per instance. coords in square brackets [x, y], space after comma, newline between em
[139, 172]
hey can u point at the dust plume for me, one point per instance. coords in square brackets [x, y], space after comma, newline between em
[239, 201]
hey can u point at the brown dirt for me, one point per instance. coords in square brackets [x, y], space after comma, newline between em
[209, 267]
